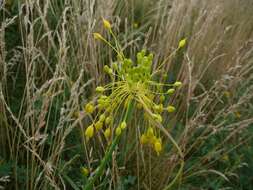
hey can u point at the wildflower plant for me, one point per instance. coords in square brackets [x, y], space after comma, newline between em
[133, 88]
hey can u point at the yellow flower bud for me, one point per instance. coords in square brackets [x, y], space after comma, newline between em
[118, 131]
[177, 84]
[162, 98]
[158, 117]
[97, 36]
[107, 24]
[98, 125]
[89, 108]
[182, 43]
[171, 109]
[89, 132]
[171, 91]
[144, 139]
[107, 133]
[159, 108]
[150, 132]
[102, 117]
[100, 89]
[108, 120]
[107, 69]
[158, 147]
[152, 140]
[85, 171]
[123, 125]
[156, 107]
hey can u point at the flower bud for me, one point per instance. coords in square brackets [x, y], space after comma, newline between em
[107, 133]
[182, 43]
[177, 84]
[89, 132]
[98, 125]
[123, 125]
[107, 24]
[97, 36]
[144, 139]
[158, 147]
[89, 108]
[118, 131]
[171, 109]
[171, 91]
[100, 89]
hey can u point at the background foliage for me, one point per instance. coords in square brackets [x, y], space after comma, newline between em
[49, 68]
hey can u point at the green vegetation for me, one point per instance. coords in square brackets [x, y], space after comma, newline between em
[137, 94]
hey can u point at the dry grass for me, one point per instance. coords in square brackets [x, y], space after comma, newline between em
[55, 68]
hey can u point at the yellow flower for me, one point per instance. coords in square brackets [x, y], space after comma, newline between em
[158, 118]
[118, 131]
[144, 139]
[108, 120]
[150, 132]
[123, 125]
[85, 171]
[102, 117]
[171, 91]
[156, 107]
[98, 125]
[97, 36]
[177, 84]
[100, 89]
[107, 133]
[158, 147]
[160, 109]
[89, 108]
[152, 140]
[108, 70]
[171, 109]
[162, 98]
[89, 132]
[182, 43]
[107, 24]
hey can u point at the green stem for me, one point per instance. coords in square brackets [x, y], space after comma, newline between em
[108, 154]
[102, 165]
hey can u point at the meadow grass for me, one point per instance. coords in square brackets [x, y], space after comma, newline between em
[51, 66]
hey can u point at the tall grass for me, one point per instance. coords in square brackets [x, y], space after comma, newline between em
[50, 66]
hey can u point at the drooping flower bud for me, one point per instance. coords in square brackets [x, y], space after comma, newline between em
[89, 132]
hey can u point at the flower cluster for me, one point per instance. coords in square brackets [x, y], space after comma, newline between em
[133, 83]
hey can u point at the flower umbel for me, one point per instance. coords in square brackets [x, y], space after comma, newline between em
[132, 81]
